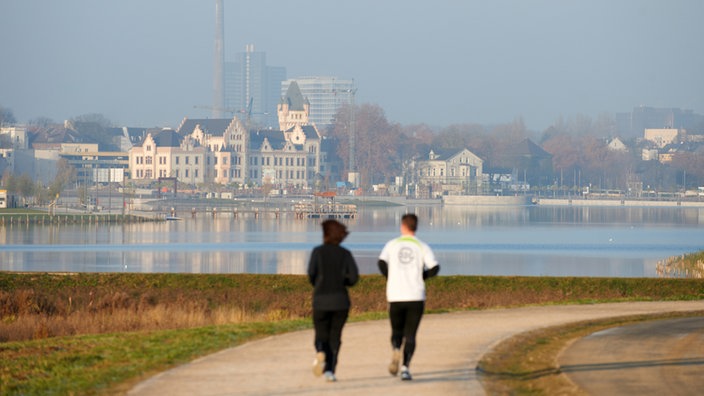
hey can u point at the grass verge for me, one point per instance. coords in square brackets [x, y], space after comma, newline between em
[112, 363]
[94, 333]
[526, 364]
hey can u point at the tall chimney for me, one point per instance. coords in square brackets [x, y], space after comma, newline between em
[218, 75]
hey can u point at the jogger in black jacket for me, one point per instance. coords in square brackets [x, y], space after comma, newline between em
[331, 270]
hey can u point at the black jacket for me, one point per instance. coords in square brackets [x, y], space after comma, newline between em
[330, 270]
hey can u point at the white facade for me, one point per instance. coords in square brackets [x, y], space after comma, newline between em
[661, 137]
[458, 172]
[17, 137]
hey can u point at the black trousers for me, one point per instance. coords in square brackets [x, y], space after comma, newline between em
[405, 318]
[328, 334]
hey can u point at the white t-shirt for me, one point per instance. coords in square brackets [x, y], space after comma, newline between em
[407, 257]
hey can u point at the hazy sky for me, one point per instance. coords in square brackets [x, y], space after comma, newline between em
[148, 62]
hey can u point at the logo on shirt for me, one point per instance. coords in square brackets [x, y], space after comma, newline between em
[405, 255]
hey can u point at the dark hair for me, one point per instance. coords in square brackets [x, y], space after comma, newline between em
[410, 220]
[334, 232]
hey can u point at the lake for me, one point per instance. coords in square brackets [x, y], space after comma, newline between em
[525, 240]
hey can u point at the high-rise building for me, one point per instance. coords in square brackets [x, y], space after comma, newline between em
[325, 94]
[252, 88]
[219, 60]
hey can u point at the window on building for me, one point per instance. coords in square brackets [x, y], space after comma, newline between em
[149, 147]
[148, 174]
[215, 160]
[196, 160]
[195, 172]
[149, 160]
[186, 172]
[224, 160]
[177, 160]
[215, 173]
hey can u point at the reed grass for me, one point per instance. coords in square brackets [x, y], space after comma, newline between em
[38, 305]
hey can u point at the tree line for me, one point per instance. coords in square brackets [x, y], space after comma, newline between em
[578, 146]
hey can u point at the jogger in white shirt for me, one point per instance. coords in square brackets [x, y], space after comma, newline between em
[406, 262]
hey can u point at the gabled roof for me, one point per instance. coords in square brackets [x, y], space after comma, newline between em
[526, 148]
[444, 154]
[167, 138]
[309, 131]
[276, 139]
[294, 98]
[57, 135]
[215, 126]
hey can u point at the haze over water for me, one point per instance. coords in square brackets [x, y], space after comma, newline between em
[531, 241]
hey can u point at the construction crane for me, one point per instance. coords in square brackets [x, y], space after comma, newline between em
[228, 110]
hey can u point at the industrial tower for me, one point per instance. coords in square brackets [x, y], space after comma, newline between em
[219, 61]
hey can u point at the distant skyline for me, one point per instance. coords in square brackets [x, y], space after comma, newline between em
[148, 63]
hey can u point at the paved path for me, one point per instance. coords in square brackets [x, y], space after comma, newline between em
[663, 357]
[449, 347]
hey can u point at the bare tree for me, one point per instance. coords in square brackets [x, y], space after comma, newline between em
[377, 142]
[6, 116]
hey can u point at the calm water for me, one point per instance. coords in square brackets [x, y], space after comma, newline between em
[533, 241]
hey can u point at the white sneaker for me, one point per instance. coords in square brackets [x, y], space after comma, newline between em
[405, 374]
[330, 377]
[395, 361]
[319, 364]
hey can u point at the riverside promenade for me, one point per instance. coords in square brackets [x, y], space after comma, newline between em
[449, 347]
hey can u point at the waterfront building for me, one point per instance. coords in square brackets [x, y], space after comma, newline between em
[223, 151]
[449, 172]
[225, 141]
[166, 155]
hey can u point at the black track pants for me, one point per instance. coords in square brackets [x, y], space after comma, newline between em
[405, 317]
[328, 334]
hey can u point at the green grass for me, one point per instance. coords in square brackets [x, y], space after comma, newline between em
[110, 363]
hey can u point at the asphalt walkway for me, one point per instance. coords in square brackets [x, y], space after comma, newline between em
[449, 347]
[663, 357]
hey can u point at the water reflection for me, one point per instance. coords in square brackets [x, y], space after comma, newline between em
[534, 241]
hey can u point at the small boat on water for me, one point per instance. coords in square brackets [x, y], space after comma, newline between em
[172, 218]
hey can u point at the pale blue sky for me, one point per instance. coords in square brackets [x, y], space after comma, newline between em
[147, 63]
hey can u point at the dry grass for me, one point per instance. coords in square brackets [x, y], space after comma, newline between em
[36, 306]
[685, 266]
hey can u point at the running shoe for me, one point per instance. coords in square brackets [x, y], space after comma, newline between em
[330, 377]
[319, 364]
[405, 374]
[395, 361]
